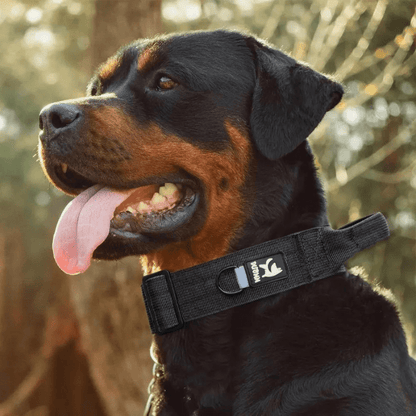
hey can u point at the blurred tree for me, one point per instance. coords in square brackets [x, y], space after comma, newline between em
[109, 302]
[43, 43]
[118, 23]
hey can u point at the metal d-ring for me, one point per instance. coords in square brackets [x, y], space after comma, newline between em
[217, 282]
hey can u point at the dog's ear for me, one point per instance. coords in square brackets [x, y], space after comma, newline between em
[289, 101]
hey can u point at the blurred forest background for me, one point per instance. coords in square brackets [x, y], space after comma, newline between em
[79, 346]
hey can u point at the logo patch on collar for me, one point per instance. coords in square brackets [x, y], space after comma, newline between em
[266, 269]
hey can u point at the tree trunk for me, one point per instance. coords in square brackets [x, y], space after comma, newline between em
[107, 299]
[117, 23]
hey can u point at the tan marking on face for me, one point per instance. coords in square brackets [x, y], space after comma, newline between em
[109, 68]
[103, 140]
[147, 58]
[155, 153]
[226, 211]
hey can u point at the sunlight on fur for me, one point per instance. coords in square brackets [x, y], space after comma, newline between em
[388, 294]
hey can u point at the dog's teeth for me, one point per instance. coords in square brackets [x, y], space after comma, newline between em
[168, 189]
[143, 207]
[157, 199]
[131, 210]
[64, 167]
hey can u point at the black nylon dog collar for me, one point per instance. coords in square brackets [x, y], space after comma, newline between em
[256, 272]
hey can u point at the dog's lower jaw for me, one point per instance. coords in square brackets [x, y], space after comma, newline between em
[211, 242]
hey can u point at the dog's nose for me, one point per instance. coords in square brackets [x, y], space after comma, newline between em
[55, 118]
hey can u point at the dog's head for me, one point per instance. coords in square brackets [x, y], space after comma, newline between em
[163, 148]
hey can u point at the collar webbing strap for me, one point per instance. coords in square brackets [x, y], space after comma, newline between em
[255, 272]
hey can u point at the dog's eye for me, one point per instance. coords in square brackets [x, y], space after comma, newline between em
[165, 83]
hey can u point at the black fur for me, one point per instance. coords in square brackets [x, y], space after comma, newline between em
[334, 347]
[289, 101]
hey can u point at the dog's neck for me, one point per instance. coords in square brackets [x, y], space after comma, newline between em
[289, 199]
[286, 197]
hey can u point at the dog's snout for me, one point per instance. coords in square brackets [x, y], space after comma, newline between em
[55, 118]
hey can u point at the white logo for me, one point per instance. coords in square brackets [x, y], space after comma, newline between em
[270, 272]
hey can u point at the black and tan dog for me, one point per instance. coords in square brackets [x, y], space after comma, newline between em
[192, 146]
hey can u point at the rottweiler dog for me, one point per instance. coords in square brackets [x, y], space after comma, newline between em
[191, 146]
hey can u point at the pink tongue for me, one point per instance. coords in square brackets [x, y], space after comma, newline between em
[83, 226]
